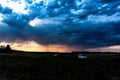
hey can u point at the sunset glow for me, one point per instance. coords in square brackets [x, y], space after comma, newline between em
[34, 47]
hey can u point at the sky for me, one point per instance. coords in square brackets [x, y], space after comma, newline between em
[60, 25]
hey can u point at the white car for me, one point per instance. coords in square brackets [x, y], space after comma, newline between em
[82, 56]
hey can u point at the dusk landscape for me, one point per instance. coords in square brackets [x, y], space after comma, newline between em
[59, 39]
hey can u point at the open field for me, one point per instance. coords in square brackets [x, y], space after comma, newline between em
[30, 66]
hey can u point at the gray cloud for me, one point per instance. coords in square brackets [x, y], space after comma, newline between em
[78, 23]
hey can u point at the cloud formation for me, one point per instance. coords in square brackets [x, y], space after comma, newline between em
[77, 23]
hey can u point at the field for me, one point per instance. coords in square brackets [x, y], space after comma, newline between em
[31, 66]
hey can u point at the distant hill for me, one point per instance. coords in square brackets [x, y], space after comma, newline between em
[6, 49]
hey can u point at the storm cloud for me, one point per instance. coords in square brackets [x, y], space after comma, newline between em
[77, 23]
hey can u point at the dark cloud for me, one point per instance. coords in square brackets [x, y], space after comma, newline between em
[108, 1]
[78, 23]
[16, 20]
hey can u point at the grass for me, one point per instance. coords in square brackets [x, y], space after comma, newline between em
[26, 66]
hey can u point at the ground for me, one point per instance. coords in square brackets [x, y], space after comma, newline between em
[27, 66]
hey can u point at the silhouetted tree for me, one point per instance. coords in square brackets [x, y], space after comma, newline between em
[2, 46]
[8, 48]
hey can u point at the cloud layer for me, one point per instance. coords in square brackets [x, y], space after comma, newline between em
[77, 23]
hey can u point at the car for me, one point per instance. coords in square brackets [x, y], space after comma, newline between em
[82, 56]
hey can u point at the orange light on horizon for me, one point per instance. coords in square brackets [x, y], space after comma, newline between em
[35, 47]
[32, 46]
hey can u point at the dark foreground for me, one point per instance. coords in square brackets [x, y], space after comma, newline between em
[40, 67]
